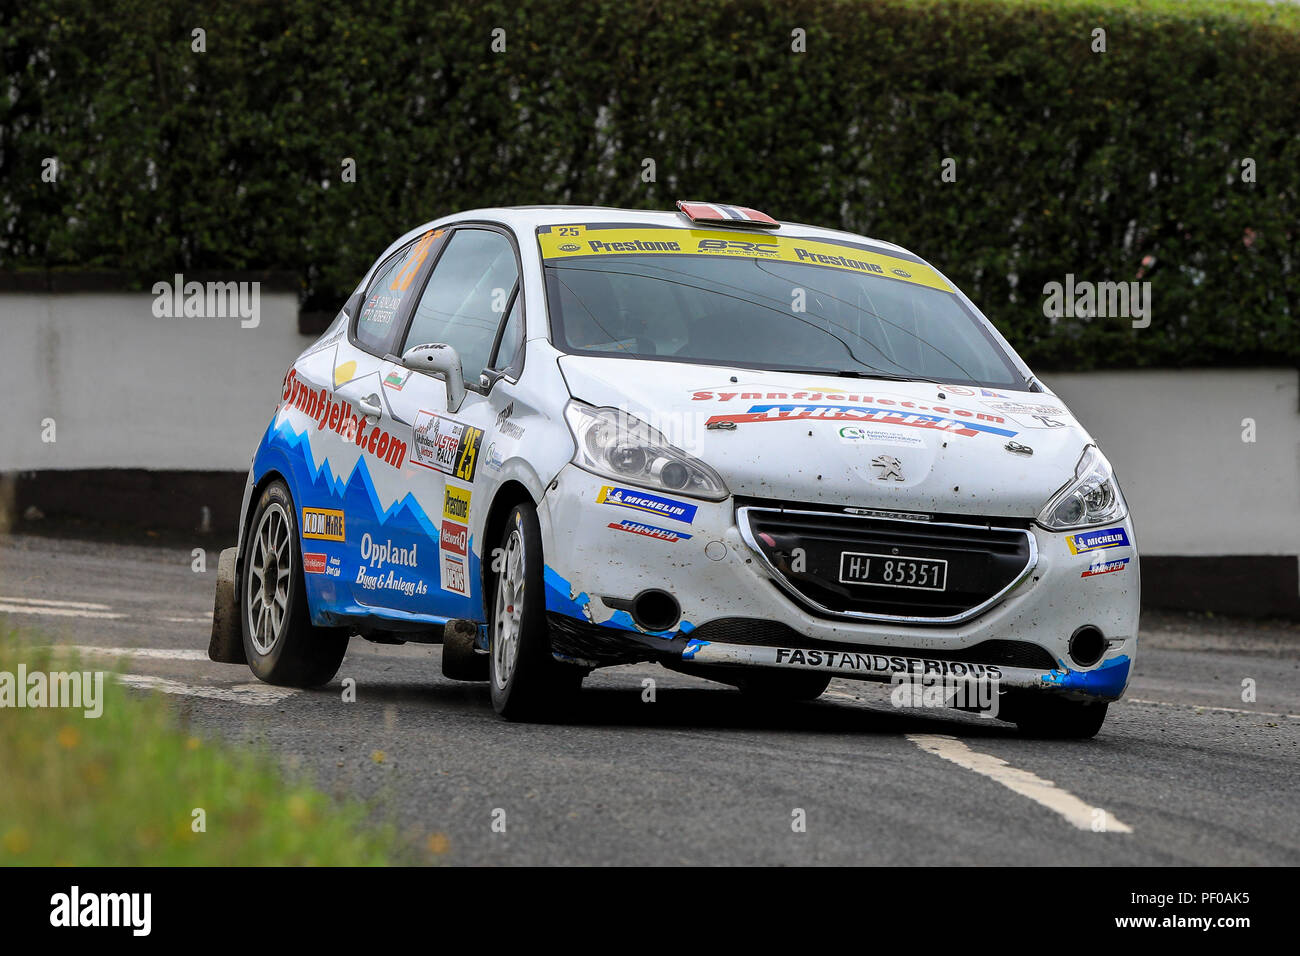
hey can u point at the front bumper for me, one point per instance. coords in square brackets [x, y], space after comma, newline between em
[602, 549]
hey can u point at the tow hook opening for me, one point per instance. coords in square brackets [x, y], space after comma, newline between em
[656, 610]
[1087, 645]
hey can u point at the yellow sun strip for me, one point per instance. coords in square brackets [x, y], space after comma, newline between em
[566, 242]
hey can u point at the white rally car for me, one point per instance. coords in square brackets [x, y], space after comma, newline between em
[560, 438]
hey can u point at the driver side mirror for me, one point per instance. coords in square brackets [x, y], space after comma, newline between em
[441, 361]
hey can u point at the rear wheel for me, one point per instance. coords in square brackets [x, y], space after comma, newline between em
[784, 686]
[1041, 715]
[527, 682]
[280, 643]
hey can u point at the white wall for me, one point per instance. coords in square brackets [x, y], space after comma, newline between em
[1175, 439]
[129, 390]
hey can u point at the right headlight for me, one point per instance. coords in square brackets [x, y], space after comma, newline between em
[1091, 497]
[614, 444]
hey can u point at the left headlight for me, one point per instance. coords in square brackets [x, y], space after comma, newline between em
[617, 445]
[1090, 498]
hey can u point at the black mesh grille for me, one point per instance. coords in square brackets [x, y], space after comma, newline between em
[600, 645]
[977, 562]
[753, 631]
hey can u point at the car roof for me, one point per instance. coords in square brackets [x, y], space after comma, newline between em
[526, 219]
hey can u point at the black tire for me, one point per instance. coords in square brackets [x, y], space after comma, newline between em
[784, 686]
[287, 649]
[1052, 718]
[527, 683]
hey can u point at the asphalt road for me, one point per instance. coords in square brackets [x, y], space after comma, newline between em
[1184, 771]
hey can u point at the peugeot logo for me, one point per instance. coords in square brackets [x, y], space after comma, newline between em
[890, 467]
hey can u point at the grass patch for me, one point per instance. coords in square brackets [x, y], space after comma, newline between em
[122, 788]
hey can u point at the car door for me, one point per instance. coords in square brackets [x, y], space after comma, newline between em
[465, 298]
[355, 466]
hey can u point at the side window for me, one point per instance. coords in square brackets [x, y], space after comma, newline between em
[386, 292]
[509, 357]
[462, 303]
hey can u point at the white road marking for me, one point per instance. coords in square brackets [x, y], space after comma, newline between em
[47, 603]
[57, 611]
[189, 620]
[840, 695]
[157, 653]
[259, 695]
[1226, 710]
[1027, 784]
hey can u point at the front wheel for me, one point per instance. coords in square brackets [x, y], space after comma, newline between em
[1037, 714]
[280, 643]
[527, 682]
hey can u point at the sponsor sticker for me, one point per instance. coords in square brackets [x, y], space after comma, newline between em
[396, 378]
[377, 554]
[455, 503]
[446, 445]
[323, 524]
[854, 434]
[507, 427]
[882, 664]
[969, 425]
[644, 501]
[650, 531]
[338, 416]
[313, 563]
[455, 538]
[1105, 567]
[1096, 540]
[1025, 408]
[393, 580]
[452, 571]
[819, 395]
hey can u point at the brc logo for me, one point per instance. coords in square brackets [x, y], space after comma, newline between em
[738, 245]
[321, 523]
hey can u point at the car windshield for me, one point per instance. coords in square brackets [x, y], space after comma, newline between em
[794, 305]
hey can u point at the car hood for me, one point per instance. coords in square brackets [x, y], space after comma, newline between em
[795, 437]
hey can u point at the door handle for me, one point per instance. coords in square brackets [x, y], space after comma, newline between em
[370, 406]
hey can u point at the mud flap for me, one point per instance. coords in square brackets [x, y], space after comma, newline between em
[460, 661]
[227, 643]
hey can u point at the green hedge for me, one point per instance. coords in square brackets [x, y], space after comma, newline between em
[1068, 161]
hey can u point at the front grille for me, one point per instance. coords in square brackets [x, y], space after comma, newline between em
[761, 633]
[808, 552]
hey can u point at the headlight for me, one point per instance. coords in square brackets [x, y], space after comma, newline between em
[1092, 497]
[617, 445]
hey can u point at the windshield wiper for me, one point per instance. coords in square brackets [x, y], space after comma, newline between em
[847, 373]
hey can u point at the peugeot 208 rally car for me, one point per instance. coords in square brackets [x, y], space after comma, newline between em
[560, 438]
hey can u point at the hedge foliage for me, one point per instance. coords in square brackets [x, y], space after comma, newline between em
[1067, 160]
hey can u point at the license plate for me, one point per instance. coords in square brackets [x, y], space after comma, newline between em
[891, 571]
